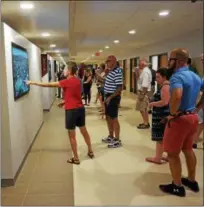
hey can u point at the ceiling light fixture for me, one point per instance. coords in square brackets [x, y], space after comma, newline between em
[132, 31]
[100, 50]
[116, 41]
[107, 47]
[164, 13]
[53, 45]
[26, 6]
[45, 34]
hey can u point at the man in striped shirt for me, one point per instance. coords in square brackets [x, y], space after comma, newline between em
[112, 90]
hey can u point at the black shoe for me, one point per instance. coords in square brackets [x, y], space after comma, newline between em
[195, 146]
[173, 189]
[190, 184]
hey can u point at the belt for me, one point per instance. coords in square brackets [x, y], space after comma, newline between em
[183, 113]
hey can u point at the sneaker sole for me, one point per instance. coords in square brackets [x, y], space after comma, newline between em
[114, 146]
[106, 142]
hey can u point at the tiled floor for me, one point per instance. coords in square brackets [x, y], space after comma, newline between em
[114, 177]
[46, 178]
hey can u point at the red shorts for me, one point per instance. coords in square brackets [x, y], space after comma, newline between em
[179, 134]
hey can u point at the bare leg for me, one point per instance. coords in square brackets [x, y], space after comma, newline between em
[97, 97]
[175, 167]
[198, 132]
[159, 150]
[72, 137]
[191, 164]
[89, 96]
[146, 117]
[110, 126]
[100, 99]
[87, 138]
[142, 113]
[85, 97]
[116, 126]
[158, 157]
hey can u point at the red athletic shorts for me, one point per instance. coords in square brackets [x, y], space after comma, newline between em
[179, 133]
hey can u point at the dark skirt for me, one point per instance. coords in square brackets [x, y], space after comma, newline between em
[158, 128]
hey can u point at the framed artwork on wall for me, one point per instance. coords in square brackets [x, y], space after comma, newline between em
[20, 68]
[43, 64]
[49, 70]
[55, 66]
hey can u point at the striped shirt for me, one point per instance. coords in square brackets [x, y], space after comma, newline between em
[113, 80]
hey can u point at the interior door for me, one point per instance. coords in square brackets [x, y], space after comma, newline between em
[136, 63]
[163, 60]
[121, 63]
[124, 71]
[131, 75]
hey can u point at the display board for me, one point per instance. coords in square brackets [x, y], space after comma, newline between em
[43, 64]
[20, 69]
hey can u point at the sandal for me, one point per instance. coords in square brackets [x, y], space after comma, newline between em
[91, 155]
[144, 126]
[165, 159]
[153, 160]
[73, 161]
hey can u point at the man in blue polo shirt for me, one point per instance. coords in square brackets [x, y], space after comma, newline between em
[182, 123]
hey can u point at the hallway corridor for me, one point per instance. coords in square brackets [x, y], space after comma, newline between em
[115, 177]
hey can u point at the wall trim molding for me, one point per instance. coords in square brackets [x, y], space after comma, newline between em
[11, 182]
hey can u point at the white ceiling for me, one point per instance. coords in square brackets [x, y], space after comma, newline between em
[47, 16]
[81, 28]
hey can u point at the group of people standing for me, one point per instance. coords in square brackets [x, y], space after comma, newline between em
[175, 125]
[174, 121]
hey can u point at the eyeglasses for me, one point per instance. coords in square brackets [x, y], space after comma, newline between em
[170, 59]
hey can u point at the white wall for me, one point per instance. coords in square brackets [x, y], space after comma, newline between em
[48, 94]
[155, 62]
[25, 115]
[191, 41]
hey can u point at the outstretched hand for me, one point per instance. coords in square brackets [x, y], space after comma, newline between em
[28, 82]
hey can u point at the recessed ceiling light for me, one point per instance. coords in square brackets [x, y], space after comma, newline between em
[100, 50]
[116, 41]
[132, 31]
[26, 6]
[53, 45]
[164, 13]
[107, 47]
[45, 34]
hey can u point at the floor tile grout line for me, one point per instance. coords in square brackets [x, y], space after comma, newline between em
[29, 182]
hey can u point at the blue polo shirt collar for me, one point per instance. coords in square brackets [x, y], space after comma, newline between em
[185, 68]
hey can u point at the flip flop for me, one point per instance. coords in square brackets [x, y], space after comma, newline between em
[165, 159]
[152, 160]
[73, 161]
[91, 155]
